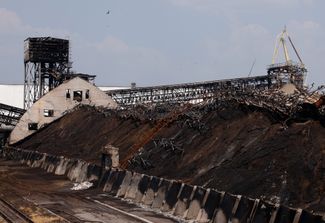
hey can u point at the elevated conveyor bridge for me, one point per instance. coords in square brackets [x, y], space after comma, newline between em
[9, 115]
[189, 92]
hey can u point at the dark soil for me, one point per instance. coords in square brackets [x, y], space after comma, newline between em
[238, 149]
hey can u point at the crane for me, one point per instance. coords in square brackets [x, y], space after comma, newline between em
[281, 41]
[289, 71]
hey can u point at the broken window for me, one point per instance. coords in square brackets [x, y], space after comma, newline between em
[67, 94]
[87, 94]
[77, 95]
[32, 126]
[48, 112]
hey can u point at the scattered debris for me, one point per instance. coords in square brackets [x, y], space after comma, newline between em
[82, 186]
[245, 149]
[168, 145]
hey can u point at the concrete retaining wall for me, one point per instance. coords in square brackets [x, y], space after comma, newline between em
[182, 200]
[151, 192]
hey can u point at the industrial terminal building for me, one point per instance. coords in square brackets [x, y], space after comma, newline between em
[13, 94]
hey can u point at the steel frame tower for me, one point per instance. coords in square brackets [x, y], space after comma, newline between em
[46, 65]
[289, 71]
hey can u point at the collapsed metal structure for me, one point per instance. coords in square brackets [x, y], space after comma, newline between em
[190, 92]
[289, 71]
[47, 65]
[10, 115]
[278, 74]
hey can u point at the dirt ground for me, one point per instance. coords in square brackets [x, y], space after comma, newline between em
[239, 149]
[44, 197]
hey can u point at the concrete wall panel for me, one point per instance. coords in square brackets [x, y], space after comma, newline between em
[263, 212]
[211, 204]
[62, 167]
[133, 187]
[142, 188]
[196, 203]
[110, 180]
[125, 184]
[40, 162]
[93, 172]
[161, 193]
[184, 200]
[151, 191]
[77, 171]
[310, 218]
[171, 196]
[285, 215]
[192, 203]
[244, 210]
[117, 183]
[104, 178]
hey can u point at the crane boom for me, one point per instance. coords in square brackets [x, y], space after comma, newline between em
[294, 48]
[281, 40]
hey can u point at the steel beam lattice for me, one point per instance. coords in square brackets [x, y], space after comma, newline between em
[190, 92]
[10, 115]
[46, 63]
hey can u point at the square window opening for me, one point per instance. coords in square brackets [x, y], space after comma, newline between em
[77, 95]
[32, 126]
[48, 112]
[67, 93]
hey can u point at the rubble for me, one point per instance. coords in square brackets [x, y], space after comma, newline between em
[82, 186]
[248, 146]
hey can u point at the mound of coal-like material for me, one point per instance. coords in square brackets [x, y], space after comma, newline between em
[238, 149]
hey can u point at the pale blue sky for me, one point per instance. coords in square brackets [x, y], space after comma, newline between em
[154, 42]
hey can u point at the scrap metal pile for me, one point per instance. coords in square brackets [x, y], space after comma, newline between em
[247, 143]
[298, 106]
[282, 104]
[286, 105]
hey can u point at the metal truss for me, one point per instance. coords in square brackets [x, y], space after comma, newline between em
[190, 92]
[288, 72]
[46, 66]
[10, 115]
[40, 78]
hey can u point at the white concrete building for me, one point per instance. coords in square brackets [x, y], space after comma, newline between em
[55, 103]
[13, 94]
